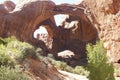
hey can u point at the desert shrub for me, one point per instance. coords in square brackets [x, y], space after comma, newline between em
[80, 70]
[7, 40]
[12, 52]
[22, 50]
[8, 73]
[16, 50]
[63, 66]
[5, 58]
[98, 65]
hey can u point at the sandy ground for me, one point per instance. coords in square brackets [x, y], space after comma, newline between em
[117, 78]
[72, 76]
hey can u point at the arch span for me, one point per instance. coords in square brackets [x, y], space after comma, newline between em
[30, 14]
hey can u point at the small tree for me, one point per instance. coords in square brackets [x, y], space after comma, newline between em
[98, 65]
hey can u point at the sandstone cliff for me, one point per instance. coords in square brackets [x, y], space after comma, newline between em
[107, 13]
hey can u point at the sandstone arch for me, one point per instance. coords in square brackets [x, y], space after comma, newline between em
[29, 14]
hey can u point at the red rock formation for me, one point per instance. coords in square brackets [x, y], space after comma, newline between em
[42, 70]
[23, 20]
[28, 15]
[9, 5]
[107, 13]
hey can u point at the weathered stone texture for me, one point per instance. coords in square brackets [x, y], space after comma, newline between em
[107, 13]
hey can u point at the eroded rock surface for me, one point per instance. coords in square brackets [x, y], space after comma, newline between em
[107, 14]
[87, 21]
[28, 15]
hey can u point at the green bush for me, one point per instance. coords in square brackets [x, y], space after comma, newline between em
[14, 51]
[63, 66]
[8, 73]
[5, 58]
[80, 70]
[7, 40]
[98, 65]
[21, 50]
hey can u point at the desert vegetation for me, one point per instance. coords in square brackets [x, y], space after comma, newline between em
[98, 64]
[13, 52]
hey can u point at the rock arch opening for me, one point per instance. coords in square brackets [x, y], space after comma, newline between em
[31, 15]
[72, 34]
